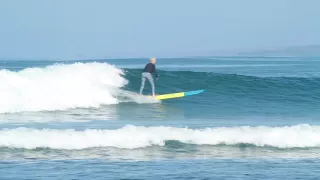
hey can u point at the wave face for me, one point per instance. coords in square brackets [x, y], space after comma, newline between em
[230, 83]
[60, 87]
[230, 95]
[131, 137]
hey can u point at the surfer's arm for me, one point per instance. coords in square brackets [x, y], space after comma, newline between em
[155, 72]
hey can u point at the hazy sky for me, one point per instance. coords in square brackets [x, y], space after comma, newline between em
[82, 29]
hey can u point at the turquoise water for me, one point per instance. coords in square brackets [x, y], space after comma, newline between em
[258, 118]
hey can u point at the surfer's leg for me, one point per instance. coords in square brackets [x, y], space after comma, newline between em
[150, 78]
[143, 80]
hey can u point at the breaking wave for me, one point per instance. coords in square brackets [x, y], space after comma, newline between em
[63, 86]
[131, 137]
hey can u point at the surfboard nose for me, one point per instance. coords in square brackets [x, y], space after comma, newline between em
[193, 92]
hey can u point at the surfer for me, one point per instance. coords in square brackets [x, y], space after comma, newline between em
[147, 72]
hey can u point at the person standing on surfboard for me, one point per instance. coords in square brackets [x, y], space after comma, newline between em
[147, 72]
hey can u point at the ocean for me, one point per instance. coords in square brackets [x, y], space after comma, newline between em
[258, 118]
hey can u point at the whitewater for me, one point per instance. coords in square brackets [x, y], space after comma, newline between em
[64, 86]
[131, 137]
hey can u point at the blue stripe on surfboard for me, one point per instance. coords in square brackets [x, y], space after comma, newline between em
[189, 93]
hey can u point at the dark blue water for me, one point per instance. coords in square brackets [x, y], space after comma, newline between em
[258, 118]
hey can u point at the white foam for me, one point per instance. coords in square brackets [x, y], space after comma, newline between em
[60, 87]
[130, 137]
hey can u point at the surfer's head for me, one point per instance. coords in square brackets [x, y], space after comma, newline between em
[153, 60]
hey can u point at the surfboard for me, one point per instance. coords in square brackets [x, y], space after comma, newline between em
[178, 95]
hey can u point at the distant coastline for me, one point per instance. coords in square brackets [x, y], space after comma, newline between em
[294, 51]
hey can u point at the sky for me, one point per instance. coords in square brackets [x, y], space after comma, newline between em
[98, 29]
